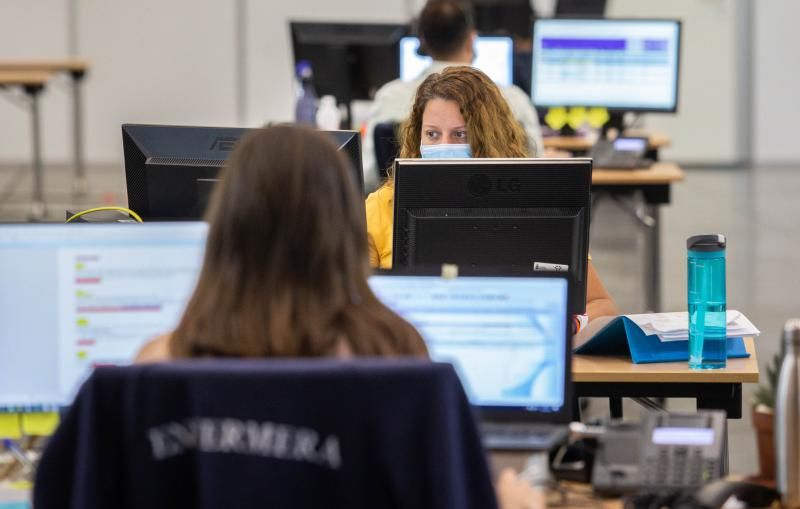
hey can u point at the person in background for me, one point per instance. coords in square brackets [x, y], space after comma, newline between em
[285, 269]
[460, 112]
[447, 33]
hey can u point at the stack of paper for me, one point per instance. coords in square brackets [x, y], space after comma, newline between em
[675, 326]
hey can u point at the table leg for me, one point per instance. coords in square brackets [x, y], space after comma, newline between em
[652, 259]
[38, 206]
[80, 186]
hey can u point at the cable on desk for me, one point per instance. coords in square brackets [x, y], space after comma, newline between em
[124, 210]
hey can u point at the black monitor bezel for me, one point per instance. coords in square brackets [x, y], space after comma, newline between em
[517, 413]
[614, 109]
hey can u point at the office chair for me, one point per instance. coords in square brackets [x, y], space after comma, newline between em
[268, 433]
[387, 145]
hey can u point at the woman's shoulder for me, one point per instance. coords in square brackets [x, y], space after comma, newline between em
[383, 194]
[155, 350]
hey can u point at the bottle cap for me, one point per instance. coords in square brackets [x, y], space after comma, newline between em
[706, 242]
[791, 332]
[327, 101]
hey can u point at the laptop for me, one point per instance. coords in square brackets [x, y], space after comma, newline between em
[508, 339]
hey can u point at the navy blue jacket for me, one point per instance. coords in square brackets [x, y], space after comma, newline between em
[268, 434]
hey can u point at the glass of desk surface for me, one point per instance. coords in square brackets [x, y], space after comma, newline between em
[78, 296]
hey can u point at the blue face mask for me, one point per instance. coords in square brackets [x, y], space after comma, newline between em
[446, 151]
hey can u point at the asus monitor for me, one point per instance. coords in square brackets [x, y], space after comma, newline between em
[170, 171]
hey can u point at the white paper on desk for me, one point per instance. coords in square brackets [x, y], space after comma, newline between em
[675, 326]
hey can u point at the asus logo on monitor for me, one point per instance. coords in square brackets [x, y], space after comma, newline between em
[482, 185]
[223, 144]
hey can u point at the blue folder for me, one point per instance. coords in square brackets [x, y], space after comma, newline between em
[621, 336]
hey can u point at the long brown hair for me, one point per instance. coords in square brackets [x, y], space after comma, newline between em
[286, 264]
[491, 128]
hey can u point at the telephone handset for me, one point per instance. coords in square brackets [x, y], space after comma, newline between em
[665, 451]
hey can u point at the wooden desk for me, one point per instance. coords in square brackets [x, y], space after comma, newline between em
[32, 83]
[582, 144]
[46, 64]
[77, 69]
[654, 185]
[618, 377]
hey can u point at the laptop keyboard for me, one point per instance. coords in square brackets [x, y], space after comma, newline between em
[529, 436]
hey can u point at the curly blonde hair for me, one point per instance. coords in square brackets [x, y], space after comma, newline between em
[491, 128]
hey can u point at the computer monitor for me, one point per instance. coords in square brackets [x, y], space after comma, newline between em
[507, 337]
[349, 60]
[580, 8]
[493, 55]
[619, 64]
[494, 216]
[170, 171]
[504, 17]
[78, 296]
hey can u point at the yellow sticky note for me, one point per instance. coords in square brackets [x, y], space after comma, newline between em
[40, 423]
[598, 117]
[9, 425]
[82, 322]
[82, 354]
[80, 266]
[556, 117]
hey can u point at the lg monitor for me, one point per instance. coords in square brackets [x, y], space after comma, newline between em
[349, 60]
[619, 64]
[170, 171]
[78, 296]
[493, 55]
[494, 216]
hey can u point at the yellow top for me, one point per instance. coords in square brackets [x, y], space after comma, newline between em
[380, 217]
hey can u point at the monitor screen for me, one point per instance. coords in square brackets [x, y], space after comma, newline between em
[622, 65]
[505, 336]
[494, 216]
[348, 60]
[170, 171]
[78, 296]
[493, 55]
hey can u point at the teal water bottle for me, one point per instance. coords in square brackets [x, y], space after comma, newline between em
[706, 285]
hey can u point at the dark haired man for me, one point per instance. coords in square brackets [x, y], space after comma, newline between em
[447, 34]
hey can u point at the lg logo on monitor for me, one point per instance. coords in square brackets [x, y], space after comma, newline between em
[481, 185]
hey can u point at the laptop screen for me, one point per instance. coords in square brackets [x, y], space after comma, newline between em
[77, 296]
[505, 336]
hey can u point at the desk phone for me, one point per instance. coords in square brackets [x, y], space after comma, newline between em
[665, 451]
[624, 152]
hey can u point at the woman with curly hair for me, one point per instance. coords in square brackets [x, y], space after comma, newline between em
[459, 113]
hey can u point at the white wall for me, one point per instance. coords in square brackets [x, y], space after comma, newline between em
[776, 69]
[706, 128]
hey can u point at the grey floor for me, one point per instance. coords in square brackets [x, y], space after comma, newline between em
[756, 208]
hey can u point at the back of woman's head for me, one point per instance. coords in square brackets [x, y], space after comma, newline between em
[492, 130]
[286, 259]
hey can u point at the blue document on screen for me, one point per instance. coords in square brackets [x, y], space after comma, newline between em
[622, 336]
